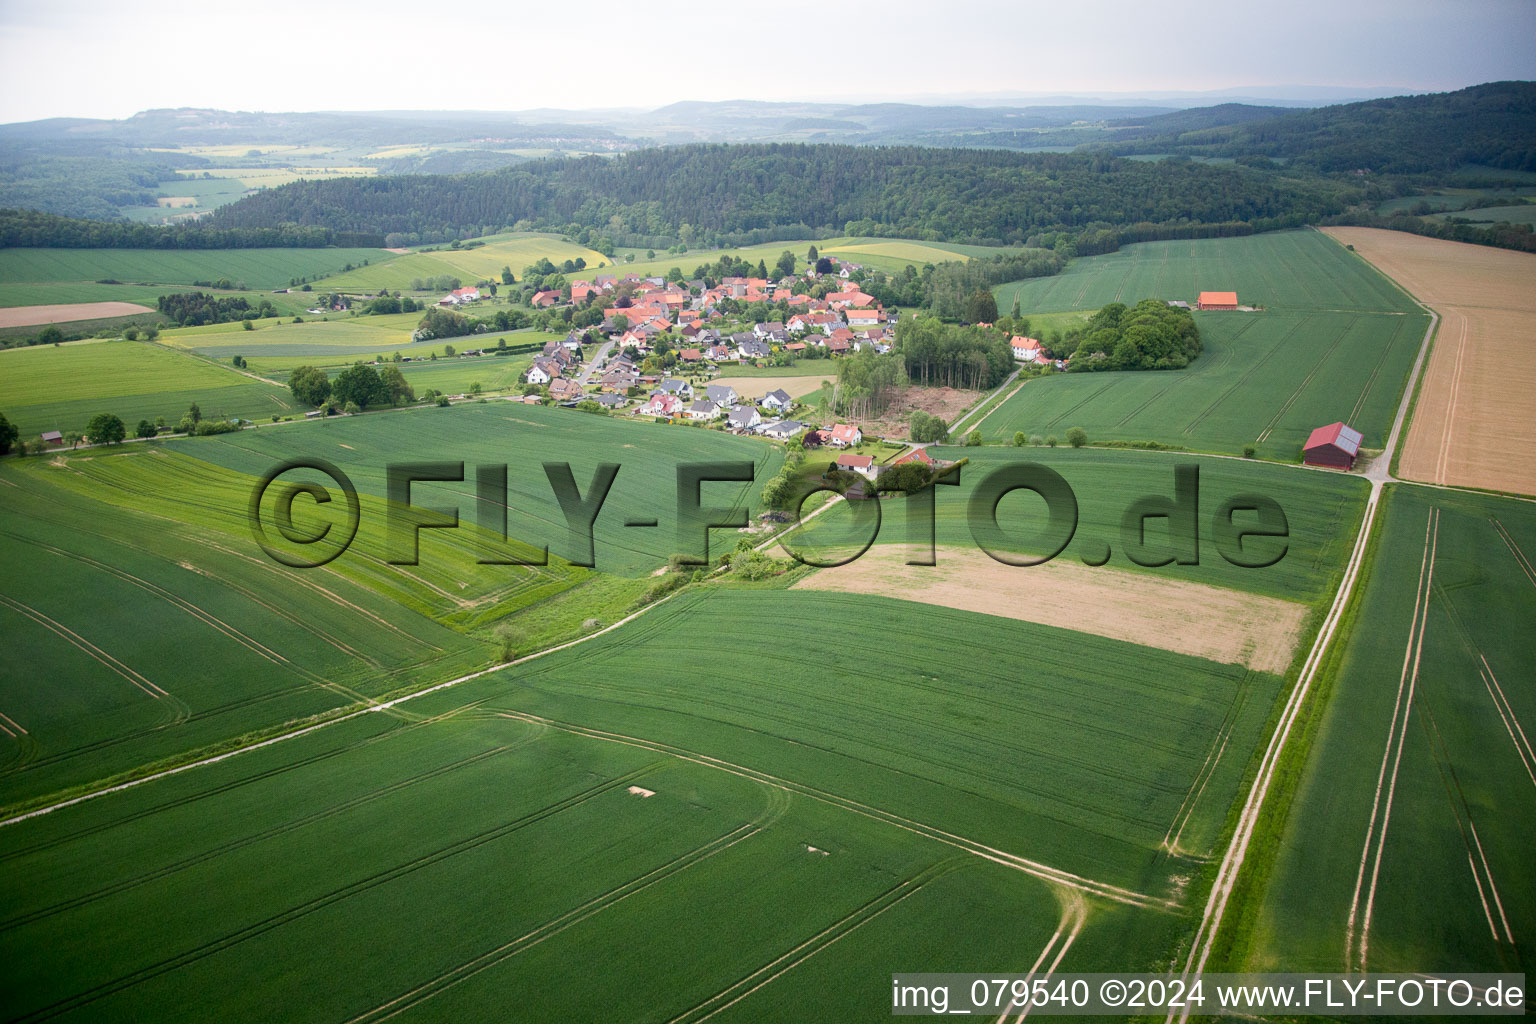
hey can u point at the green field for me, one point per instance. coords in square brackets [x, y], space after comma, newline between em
[1288, 270]
[1521, 213]
[469, 265]
[257, 268]
[1265, 379]
[523, 437]
[133, 576]
[1442, 626]
[1322, 510]
[1334, 342]
[62, 387]
[840, 831]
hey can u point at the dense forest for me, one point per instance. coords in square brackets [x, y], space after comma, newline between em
[1492, 125]
[952, 355]
[715, 194]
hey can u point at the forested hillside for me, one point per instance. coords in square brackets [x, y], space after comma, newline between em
[1492, 125]
[710, 194]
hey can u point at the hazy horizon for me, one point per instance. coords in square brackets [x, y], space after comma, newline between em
[112, 63]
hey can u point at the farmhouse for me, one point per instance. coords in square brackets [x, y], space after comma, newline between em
[1217, 300]
[1334, 446]
[545, 299]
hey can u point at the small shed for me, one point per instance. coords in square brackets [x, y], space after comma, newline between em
[1217, 300]
[1334, 446]
[53, 437]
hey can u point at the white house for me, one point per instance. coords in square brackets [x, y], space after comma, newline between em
[721, 394]
[778, 399]
[1024, 349]
[744, 417]
[537, 374]
[845, 436]
[863, 465]
[702, 411]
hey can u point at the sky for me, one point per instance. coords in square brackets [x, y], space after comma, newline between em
[66, 58]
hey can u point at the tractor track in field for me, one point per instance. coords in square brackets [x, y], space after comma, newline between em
[1075, 914]
[233, 845]
[1286, 406]
[1276, 347]
[1037, 869]
[774, 969]
[334, 896]
[778, 804]
[1359, 924]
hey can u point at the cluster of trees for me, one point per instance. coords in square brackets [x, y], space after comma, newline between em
[448, 323]
[385, 303]
[355, 388]
[952, 355]
[924, 427]
[706, 194]
[867, 383]
[192, 309]
[440, 283]
[1150, 335]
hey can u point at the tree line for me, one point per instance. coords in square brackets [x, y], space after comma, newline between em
[33, 229]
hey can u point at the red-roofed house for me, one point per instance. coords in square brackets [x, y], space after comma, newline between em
[915, 455]
[1334, 446]
[545, 299]
[1024, 349]
[863, 317]
[845, 435]
[863, 465]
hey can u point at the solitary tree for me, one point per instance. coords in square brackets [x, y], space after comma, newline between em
[1077, 437]
[812, 255]
[105, 428]
[1019, 440]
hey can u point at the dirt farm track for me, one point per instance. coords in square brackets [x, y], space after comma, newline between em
[1475, 422]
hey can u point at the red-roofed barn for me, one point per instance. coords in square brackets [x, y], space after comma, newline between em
[1334, 446]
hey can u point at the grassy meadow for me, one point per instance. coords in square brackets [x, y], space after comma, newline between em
[483, 262]
[61, 387]
[1450, 584]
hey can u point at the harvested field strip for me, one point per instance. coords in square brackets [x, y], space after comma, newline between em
[1257, 632]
